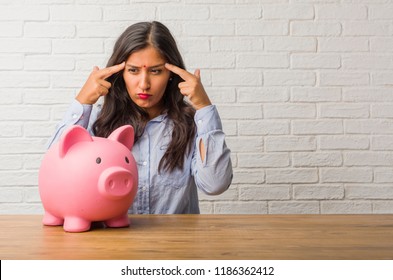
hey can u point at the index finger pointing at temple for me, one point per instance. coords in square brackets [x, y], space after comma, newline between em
[109, 71]
[179, 71]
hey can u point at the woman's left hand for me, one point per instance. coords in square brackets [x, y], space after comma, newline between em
[191, 87]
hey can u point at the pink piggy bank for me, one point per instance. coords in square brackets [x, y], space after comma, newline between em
[83, 179]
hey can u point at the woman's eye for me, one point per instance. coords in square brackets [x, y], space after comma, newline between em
[156, 71]
[133, 70]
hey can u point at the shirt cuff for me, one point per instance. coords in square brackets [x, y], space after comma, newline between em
[78, 113]
[207, 119]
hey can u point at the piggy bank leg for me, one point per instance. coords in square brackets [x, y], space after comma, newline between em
[51, 220]
[76, 224]
[121, 221]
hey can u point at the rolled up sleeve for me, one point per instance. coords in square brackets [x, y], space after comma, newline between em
[77, 114]
[213, 175]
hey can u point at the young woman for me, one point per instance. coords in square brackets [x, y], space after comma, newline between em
[179, 146]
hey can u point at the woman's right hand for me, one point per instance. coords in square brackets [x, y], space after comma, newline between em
[97, 85]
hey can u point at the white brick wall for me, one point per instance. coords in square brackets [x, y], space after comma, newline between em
[304, 88]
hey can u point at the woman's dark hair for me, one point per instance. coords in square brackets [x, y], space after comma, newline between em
[118, 108]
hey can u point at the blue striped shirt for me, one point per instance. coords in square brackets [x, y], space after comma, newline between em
[169, 192]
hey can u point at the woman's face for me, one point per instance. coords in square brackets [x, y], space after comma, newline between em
[146, 78]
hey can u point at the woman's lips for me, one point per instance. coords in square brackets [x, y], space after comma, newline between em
[144, 96]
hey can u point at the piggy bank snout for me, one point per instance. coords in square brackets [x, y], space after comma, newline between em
[115, 182]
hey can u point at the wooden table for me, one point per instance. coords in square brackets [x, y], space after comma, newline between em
[272, 237]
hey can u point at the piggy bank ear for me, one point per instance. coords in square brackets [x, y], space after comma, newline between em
[72, 136]
[124, 135]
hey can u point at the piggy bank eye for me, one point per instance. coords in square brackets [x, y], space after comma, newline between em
[98, 160]
[127, 160]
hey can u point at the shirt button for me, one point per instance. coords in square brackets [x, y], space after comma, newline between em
[144, 163]
[200, 121]
[74, 116]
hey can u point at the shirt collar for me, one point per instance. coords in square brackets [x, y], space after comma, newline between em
[160, 118]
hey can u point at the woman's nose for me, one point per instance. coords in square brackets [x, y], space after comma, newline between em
[144, 82]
